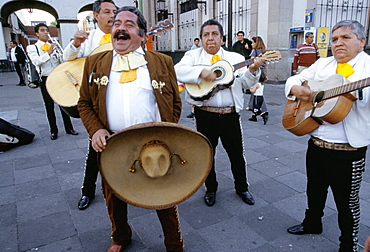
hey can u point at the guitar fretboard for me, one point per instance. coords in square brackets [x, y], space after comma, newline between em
[243, 64]
[349, 87]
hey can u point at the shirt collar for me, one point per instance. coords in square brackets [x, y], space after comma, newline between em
[139, 51]
[42, 42]
[220, 53]
[353, 61]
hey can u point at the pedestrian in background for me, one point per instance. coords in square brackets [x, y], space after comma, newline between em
[196, 44]
[243, 46]
[18, 58]
[258, 100]
[259, 48]
[306, 54]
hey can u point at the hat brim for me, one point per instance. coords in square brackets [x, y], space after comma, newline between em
[177, 185]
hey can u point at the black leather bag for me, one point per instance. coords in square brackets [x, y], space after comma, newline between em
[34, 78]
[24, 136]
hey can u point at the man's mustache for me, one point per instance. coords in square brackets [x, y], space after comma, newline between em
[122, 35]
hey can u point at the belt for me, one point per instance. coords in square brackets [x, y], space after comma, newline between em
[332, 146]
[218, 110]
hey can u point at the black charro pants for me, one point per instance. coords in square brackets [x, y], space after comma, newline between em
[227, 128]
[91, 172]
[341, 171]
[49, 107]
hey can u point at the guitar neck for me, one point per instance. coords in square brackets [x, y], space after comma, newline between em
[243, 64]
[349, 87]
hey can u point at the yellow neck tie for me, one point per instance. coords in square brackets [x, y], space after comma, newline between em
[127, 65]
[345, 69]
[105, 39]
[215, 58]
[45, 47]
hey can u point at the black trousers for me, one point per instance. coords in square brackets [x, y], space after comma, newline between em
[49, 107]
[91, 172]
[19, 68]
[227, 128]
[342, 172]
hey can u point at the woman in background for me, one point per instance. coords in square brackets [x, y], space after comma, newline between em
[259, 48]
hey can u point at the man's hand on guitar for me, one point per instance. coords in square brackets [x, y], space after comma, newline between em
[99, 140]
[79, 38]
[256, 64]
[207, 75]
[303, 93]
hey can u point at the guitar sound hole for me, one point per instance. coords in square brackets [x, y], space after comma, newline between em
[218, 73]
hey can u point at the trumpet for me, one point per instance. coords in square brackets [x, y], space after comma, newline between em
[58, 47]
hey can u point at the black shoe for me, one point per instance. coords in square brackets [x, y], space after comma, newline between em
[253, 118]
[53, 136]
[210, 198]
[191, 115]
[246, 197]
[85, 202]
[72, 132]
[265, 118]
[21, 84]
[299, 230]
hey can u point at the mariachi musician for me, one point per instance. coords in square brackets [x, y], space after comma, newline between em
[45, 57]
[81, 46]
[218, 117]
[123, 87]
[336, 151]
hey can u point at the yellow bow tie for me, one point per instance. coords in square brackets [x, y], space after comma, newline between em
[45, 47]
[127, 65]
[345, 69]
[105, 39]
[215, 58]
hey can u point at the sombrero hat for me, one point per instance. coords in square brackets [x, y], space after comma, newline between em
[155, 165]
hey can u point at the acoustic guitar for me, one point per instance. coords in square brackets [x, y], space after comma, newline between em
[331, 104]
[225, 77]
[64, 82]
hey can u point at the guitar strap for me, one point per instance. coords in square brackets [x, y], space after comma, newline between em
[37, 49]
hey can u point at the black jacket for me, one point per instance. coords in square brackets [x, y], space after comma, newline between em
[19, 54]
[239, 48]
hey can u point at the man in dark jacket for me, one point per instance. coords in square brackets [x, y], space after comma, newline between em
[18, 57]
[243, 45]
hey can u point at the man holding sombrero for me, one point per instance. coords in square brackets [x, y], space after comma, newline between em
[124, 87]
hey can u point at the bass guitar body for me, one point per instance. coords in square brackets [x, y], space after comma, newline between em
[206, 89]
[63, 85]
[302, 117]
[64, 82]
